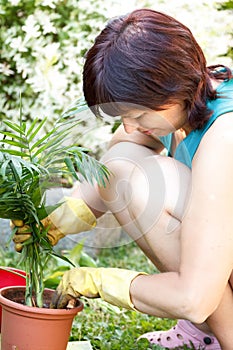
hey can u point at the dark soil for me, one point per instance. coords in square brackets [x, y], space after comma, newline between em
[18, 296]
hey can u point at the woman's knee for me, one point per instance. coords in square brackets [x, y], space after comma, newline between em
[121, 159]
[145, 183]
[159, 185]
[127, 151]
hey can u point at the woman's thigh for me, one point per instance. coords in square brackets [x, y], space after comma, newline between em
[148, 194]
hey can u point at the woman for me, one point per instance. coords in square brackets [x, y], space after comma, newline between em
[148, 68]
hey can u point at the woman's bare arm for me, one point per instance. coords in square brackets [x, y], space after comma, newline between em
[207, 238]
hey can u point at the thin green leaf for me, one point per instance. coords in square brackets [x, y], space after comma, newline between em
[31, 127]
[58, 139]
[15, 143]
[62, 257]
[13, 232]
[28, 241]
[13, 136]
[86, 260]
[13, 126]
[30, 166]
[17, 166]
[77, 107]
[75, 252]
[41, 140]
[23, 126]
[14, 152]
[82, 164]
[55, 154]
[44, 211]
[37, 129]
[71, 167]
[4, 167]
[20, 109]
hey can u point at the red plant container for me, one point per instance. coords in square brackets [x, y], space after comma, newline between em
[33, 328]
[9, 278]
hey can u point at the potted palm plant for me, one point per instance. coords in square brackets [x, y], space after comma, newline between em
[31, 161]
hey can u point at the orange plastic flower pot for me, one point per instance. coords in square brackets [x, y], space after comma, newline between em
[26, 328]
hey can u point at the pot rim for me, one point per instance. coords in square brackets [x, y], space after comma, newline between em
[12, 304]
[12, 269]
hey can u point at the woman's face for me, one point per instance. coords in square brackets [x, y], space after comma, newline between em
[158, 123]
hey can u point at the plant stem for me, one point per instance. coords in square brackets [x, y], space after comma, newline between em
[28, 300]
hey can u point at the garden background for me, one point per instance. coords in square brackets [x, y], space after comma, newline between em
[42, 49]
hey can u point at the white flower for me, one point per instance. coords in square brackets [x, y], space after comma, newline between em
[5, 69]
[45, 19]
[14, 2]
[72, 66]
[23, 66]
[50, 3]
[50, 52]
[18, 44]
[36, 81]
[31, 28]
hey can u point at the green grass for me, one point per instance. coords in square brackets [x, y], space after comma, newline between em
[108, 327]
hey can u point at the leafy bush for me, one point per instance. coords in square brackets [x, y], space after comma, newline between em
[42, 47]
[228, 6]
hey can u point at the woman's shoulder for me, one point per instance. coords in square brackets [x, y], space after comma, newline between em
[221, 121]
[217, 143]
[222, 128]
[224, 101]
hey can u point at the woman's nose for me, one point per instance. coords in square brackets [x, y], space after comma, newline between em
[130, 125]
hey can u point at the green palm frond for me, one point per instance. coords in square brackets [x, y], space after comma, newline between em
[30, 158]
[77, 106]
[48, 152]
[88, 166]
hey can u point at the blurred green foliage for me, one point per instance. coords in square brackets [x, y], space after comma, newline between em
[42, 45]
[228, 6]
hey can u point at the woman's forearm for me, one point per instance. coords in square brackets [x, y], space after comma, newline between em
[165, 295]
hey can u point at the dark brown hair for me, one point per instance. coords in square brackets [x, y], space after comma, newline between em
[149, 59]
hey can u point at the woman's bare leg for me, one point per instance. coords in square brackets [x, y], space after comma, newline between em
[158, 187]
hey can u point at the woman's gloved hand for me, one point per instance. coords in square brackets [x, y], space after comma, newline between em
[72, 216]
[111, 284]
[22, 234]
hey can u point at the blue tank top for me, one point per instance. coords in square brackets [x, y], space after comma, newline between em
[187, 148]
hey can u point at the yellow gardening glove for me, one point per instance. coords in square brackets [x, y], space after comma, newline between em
[22, 234]
[111, 284]
[72, 216]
